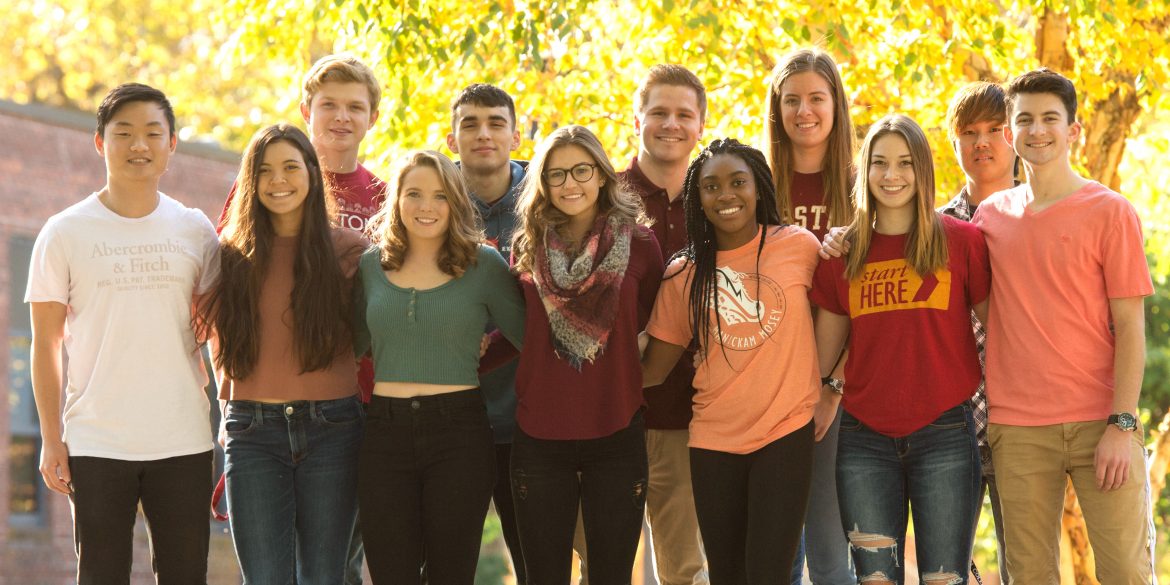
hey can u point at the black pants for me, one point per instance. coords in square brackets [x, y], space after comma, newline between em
[426, 469]
[175, 494]
[751, 508]
[606, 477]
[502, 496]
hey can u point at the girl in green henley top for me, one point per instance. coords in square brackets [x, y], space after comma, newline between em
[427, 461]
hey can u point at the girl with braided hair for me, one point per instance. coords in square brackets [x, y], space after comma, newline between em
[739, 289]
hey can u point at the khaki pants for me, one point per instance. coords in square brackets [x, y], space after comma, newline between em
[1032, 467]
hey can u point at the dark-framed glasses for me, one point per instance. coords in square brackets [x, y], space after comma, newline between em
[581, 172]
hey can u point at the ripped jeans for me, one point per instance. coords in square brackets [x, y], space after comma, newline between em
[607, 476]
[933, 473]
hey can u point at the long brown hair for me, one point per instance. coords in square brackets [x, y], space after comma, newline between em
[926, 244]
[319, 306]
[538, 215]
[837, 170]
[463, 232]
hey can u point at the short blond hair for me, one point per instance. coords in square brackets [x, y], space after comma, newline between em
[340, 68]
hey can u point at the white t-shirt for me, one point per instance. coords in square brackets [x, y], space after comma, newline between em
[135, 377]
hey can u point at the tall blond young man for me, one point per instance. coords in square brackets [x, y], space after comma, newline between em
[670, 109]
[119, 271]
[1065, 348]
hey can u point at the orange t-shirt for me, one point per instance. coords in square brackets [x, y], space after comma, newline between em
[1049, 340]
[759, 380]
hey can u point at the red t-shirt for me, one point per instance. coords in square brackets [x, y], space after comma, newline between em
[912, 352]
[809, 209]
[359, 196]
[554, 400]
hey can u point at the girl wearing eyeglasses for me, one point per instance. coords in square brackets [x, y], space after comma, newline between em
[589, 268]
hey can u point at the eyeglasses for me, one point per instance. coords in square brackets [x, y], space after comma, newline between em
[581, 173]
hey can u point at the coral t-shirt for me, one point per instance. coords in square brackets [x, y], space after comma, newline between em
[1050, 343]
[759, 380]
[912, 353]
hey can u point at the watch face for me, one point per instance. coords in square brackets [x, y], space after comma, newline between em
[1124, 421]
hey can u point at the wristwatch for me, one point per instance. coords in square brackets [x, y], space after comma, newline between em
[1123, 420]
[835, 384]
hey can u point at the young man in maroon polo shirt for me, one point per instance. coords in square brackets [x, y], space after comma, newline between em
[670, 107]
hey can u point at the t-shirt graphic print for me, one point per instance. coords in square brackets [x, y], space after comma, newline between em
[749, 307]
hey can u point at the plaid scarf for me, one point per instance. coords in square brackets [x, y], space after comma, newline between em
[581, 294]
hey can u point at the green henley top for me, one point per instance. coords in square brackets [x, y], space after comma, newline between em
[433, 336]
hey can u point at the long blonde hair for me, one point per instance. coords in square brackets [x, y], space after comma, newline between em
[536, 212]
[779, 149]
[463, 232]
[926, 243]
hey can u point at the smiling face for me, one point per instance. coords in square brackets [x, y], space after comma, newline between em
[484, 137]
[423, 204]
[282, 186]
[669, 125]
[339, 116]
[728, 195]
[806, 110]
[574, 198]
[984, 153]
[137, 143]
[1040, 130]
[891, 173]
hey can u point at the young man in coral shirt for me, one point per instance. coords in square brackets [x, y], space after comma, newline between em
[1065, 348]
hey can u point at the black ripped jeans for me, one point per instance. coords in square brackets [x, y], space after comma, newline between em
[607, 476]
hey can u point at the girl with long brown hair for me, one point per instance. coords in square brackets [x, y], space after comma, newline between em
[282, 329]
[904, 299]
[809, 147]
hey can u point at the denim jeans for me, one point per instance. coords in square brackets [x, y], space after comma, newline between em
[606, 477]
[933, 473]
[825, 546]
[751, 508]
[175, 495]
[291, 488]
[426, 471]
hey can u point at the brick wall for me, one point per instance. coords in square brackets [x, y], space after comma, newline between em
[47, 163]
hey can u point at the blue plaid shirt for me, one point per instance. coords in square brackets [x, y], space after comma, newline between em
[960, 208]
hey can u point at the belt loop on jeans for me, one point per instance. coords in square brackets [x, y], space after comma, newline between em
[258, 412]
[313, 410]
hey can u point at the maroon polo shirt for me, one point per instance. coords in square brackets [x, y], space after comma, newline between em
[668, 406]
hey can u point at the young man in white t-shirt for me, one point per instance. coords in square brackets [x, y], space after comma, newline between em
[119, 271]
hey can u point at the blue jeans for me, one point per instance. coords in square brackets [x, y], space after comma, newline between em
[606, 477]
[934, 472]
[292, 488]
[427, 468]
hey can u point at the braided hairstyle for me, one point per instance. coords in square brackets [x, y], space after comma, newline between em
[701, 247]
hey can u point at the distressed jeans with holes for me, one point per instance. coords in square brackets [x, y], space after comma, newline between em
[933, 473]
[607, 476]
